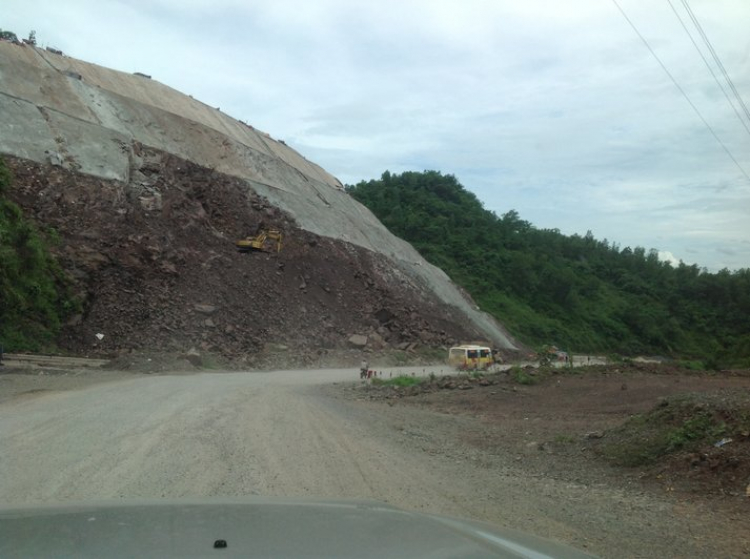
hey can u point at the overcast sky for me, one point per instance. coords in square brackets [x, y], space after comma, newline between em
[553, 108]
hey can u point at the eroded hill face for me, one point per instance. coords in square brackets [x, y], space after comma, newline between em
[155, 264]
[149, 189]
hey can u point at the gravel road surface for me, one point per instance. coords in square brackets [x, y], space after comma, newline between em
[282, 434]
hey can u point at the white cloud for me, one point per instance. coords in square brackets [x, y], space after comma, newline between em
[666, 256]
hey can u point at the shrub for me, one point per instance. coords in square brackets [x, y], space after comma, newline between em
[35, 295]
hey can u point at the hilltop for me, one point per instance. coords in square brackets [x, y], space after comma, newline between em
[581, 293]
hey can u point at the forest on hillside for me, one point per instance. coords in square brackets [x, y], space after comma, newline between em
[576, 292]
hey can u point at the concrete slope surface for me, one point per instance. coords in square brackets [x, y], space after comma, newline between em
[91, 120]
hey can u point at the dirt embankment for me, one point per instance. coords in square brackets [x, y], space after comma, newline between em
[155, 266]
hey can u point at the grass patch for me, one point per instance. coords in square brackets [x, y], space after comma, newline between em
[617, 359]
[401, 381]
[692, 365]
[212, 362]
[522, 376]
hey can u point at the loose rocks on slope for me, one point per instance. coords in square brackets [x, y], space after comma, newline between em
[156, 268]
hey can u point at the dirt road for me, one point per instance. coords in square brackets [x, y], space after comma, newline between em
[281, 434]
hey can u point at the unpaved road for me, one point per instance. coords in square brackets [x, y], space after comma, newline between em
[215, 434]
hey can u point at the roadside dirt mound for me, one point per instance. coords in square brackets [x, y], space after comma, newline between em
[155, 265]
[697, 441]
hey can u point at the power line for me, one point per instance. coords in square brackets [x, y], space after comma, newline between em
[716, 57]
[685, 95]
[710, 69]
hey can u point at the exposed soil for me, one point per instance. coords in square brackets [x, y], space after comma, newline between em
[155, 265]
[465, 453]
[562, 426]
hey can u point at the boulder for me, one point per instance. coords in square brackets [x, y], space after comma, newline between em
[194, 356]
[357, 340]
[426, 336]
[204, 309]
[375, 341]
[151, 203]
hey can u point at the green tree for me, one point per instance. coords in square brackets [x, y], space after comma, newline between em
[8, 35]
[571, 291]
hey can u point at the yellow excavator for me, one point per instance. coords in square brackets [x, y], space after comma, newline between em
[260, 241]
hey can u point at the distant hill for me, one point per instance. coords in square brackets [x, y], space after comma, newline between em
[577, 292]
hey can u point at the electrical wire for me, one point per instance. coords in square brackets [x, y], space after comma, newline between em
[685, 95]
[710, 69]
[716, 57]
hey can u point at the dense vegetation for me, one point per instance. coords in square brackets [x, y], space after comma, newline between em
[34, 296]
[580, 293]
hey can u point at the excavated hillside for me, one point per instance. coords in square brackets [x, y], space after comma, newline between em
[148, 189]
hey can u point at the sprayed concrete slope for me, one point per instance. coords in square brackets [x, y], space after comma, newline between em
[55, 108]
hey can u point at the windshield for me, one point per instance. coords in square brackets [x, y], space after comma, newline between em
[484, 260]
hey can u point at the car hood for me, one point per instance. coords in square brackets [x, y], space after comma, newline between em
[255, 527]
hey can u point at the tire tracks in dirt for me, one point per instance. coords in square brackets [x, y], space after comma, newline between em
[284, 434]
